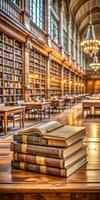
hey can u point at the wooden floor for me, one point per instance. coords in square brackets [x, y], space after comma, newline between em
[86, 179]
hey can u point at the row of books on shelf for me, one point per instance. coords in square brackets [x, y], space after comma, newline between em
[11, 77]
[8, 91]
[8, 99]
[1, 52]
[0, 91]
[8, 55]
[18, 65]
[8, 69]
[8, 48]
[0, 83]
[18, 52]
[18, 71]
[18, 91]
[18, 57]
[8, 62]
[18, 78]
[8, 77]
[1, 44]
[12, 84]
[8, 84]
[0, 74]
[19, 98]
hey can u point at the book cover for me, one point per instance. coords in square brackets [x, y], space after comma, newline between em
[52, 133]
[52, 162]
[45, 141]
[65, 172]
[56, 152]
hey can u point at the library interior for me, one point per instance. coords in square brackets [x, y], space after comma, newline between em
[49, 99]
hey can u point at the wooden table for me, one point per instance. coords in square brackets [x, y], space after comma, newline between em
[5, 111]
[84, 184]
[39, 106]
[92, 104]
[58, 104]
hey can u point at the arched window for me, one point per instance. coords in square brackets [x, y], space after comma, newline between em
[37, 12]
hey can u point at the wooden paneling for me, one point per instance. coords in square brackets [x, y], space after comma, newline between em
[93, 86]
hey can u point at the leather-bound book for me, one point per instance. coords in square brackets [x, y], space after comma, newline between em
[51, 133]
[65, 172]
[57, 152]
[48, 161]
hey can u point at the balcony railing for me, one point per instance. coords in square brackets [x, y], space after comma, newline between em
[11, 9]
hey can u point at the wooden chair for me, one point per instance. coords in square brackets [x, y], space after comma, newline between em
[14, 117]
[87, 109]
[28, 110]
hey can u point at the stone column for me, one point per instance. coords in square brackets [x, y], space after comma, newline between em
[48, 77]
[28, 46]
[62, 81]
[69, 82]
[74, 83]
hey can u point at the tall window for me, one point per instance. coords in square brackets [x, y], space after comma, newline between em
[37, 12]
[54, 20]
[55, 6]
[18, 3]
[65, 30]
[72, 35]
[54, 29]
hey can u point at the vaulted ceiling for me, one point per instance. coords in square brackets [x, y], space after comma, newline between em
[81, 12]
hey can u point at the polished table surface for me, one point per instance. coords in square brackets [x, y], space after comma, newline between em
[86, 178]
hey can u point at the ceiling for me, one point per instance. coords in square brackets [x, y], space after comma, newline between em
[81, 12]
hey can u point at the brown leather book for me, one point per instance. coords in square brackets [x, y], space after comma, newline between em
[56, 152]
[52, 162]
[52, 134]
[65, 172]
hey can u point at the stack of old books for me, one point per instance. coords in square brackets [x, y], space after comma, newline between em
[50, 148]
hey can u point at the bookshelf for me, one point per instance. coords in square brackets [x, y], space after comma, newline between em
[76, 85]
[55, 79]
[72, 83]
[66, 81]
[11, 70]
[37, 74]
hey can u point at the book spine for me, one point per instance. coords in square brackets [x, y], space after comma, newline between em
[38, 168]
[39, 141]
[36, 150]
[40, 160]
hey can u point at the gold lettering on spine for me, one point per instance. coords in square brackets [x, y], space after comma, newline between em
[62, 172]
[24, 138]
[61, 163]
[15, 156]
[22, 165]
[40, 160]
[43, 169]
[24, 148]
